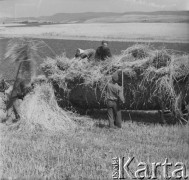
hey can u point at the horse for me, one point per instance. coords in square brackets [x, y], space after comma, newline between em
[88, 53]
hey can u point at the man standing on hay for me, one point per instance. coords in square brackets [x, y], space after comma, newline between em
[114, 94]
[103, 52]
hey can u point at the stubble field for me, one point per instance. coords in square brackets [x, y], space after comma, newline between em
[87, 153]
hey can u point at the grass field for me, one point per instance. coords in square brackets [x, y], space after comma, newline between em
[87, 153]
[154, 32]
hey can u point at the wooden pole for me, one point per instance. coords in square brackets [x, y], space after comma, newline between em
[14, 83]
[16, 76]
[122, 82]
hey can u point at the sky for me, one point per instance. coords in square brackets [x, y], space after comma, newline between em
[34, 8]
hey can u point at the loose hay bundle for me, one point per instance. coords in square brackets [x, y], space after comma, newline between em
[161, 59]
[138, 51]
[39, 111]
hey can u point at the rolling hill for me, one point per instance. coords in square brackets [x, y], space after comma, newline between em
[110, 17]
[92, 17]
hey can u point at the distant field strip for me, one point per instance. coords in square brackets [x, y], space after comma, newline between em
[152, 32]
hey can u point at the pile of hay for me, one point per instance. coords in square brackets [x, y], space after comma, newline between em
[40, 112]
[71, 77]
[152, 78]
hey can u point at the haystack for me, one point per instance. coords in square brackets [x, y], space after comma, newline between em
[75, 81]
[152, 78]
[40, 112]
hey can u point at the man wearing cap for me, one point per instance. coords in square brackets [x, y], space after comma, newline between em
[103, 52]
[114, 95]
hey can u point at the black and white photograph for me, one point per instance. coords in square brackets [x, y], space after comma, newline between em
[94, 89]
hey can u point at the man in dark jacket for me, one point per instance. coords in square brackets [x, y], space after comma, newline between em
[3, 85]
[114, 95]
[19, 91]
[103, 52]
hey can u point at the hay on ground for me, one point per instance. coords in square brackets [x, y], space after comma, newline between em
[39, 112]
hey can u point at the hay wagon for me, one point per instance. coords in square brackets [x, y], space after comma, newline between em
[152, 80]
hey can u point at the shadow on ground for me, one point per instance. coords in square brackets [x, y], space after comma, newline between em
[153, 117]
